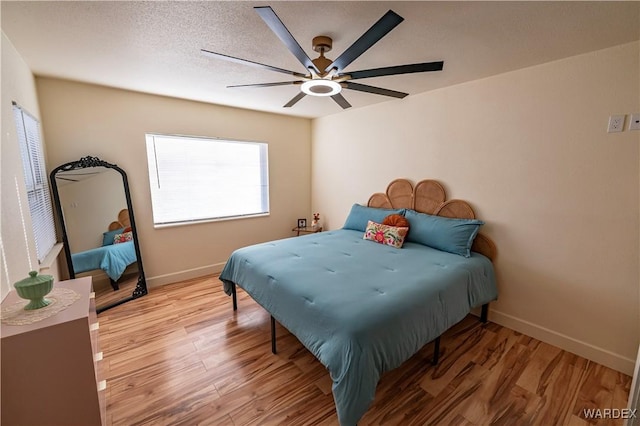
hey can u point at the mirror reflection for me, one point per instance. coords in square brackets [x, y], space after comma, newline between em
[100, 240]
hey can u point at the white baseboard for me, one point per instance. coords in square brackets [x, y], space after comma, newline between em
[583, 349]
[187, 274]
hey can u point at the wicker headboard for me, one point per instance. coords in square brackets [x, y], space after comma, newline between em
[122, 222]
[429, 196]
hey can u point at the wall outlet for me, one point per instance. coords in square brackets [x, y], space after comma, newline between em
[634, 123]
[616, 123]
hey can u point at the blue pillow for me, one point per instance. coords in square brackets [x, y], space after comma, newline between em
[361, 215]
[107, 237]
[442, 233]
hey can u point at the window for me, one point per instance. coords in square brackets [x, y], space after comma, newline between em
[35, 176]
[196, 179]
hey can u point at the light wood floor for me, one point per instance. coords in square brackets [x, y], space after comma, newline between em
[181, 356]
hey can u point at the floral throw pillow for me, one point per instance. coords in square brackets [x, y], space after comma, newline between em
[122, 238]
[385, 234]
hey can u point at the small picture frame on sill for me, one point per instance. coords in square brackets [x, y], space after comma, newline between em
[302, 223]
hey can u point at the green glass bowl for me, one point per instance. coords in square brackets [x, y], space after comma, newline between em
[34, 289]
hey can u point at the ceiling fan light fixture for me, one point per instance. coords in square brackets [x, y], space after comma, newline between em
[321, 87]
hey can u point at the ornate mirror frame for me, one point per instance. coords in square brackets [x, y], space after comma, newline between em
[83, 163]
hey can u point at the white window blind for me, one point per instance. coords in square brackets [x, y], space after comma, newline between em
[39, 198]
[196, 179]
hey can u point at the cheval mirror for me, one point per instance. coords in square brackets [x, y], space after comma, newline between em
[93, 204]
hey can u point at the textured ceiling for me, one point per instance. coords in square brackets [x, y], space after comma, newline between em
[154, 47]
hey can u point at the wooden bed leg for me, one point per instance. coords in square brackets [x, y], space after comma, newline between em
[234, 297]
[114, 284]
[436, 351]
[273, 335]
[484, 315]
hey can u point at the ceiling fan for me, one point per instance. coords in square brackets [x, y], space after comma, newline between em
[325, 76]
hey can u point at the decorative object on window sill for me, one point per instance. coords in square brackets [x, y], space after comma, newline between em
[35, 288]
[315, 223]
[60, 297]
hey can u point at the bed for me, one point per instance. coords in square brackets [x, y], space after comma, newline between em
[114, 256]
[364, 308]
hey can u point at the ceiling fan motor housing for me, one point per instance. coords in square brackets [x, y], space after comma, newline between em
[322, 44]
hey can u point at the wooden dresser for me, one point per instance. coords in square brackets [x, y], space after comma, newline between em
[50, 371]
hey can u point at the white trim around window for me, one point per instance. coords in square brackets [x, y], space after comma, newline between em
[197, 179]
[37, 184]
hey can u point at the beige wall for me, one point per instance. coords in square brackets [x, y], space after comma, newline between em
[18, 254]
[529, 150]
[80, 119]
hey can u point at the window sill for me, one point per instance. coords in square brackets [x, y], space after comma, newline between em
[221, 219]
[51, 257]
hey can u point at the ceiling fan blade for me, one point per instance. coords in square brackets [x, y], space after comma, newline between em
[399, 69]
[375, 90]
[385, 24]
[295, 100]
[340, 100]
[271, 19]
[247, 62]
[282, 83]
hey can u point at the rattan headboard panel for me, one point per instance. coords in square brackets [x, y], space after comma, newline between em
[428, 196]
[122, 222]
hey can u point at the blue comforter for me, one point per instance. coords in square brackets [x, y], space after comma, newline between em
[360, 307]
[112, 259]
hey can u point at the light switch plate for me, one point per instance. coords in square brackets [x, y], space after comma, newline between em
[616, 123]
[634, 122]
